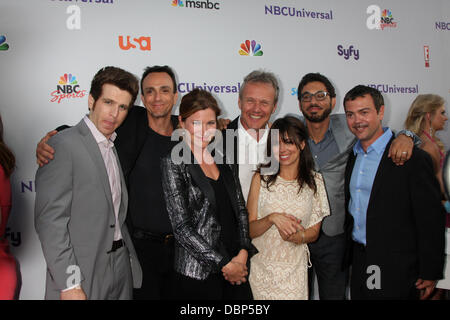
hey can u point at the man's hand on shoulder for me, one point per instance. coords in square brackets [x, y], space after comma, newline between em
[44, 153]
[401, 149]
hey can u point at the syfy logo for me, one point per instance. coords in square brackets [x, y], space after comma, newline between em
[14, 238]
[347, 53]
[378, 19]
[196, 4]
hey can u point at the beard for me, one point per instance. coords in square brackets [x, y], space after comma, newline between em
[317, 117]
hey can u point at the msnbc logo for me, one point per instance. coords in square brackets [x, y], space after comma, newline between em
[67, 87]
[3, 46]
[250, 48]
[196, 4]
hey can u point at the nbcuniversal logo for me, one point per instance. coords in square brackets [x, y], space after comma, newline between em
[250, 48]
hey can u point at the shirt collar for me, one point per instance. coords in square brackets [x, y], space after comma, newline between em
[98, 136]
[328, 134]
[378, 146]
[248, 137]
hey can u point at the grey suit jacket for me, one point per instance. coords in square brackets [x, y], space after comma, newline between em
[333, 173]
[74, 215]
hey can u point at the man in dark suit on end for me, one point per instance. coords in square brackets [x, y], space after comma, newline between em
[394, 214]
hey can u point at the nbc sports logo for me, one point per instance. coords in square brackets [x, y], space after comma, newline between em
[67, 88]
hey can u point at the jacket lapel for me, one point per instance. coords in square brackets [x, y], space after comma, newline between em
[96, 156]
[383, 170]
[342, 134]
[124, 193]
[228, 180]
[202, 182]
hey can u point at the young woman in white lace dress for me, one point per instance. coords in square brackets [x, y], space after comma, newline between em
[285, 213]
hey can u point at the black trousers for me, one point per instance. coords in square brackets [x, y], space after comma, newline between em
[157, 261]
[215, 287]
[327, 256]
[360, 279]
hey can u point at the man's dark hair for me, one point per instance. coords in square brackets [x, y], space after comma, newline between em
[165, 69]
[360, 91]
[120, 78]
[313, 77]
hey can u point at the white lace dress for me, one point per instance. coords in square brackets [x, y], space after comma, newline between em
[280, 270]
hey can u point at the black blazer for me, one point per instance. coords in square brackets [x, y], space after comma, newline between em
[191, 206]
[231, 156]
[405, 224]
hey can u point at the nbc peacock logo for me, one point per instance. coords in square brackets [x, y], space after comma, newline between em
[3, 45]
[67, 79]
[250, 48]
[67, 88]
[177, 3]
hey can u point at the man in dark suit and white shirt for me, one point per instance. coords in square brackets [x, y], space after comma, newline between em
[395, 218]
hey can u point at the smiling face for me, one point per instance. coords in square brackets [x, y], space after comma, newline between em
[201, 126]
[363, 120]
[438, 119]
[257, 105]
[110, 109]
[158, 94]
[287, 152]
[315, 110]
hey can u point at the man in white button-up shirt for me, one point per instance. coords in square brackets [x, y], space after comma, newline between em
[246, 136]
[81, 201]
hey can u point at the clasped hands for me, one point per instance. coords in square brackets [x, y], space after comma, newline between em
[236, 271]
[288, 226]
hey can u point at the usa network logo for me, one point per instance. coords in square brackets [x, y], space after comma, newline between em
[67, 88]
[250, 48]
[379, 19]
[196, 4]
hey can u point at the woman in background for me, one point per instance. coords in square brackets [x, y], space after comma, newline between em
[286, 209]
[426, 116]
[9, 288]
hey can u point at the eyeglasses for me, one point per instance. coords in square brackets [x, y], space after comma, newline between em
[320, 95]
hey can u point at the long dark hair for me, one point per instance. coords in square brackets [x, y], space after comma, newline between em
[292, 130]
[7, 159]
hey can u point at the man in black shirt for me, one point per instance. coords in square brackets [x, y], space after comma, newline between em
[142, 139]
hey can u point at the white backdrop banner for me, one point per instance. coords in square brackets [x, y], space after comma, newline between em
[50, 50]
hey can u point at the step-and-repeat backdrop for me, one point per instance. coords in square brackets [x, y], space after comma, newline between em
[50, 50]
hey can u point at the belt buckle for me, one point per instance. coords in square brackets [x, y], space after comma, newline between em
[168, 238]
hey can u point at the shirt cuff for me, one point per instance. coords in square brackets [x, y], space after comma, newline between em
[77, 286]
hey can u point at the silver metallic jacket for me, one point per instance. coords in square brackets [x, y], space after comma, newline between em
[191, 205]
